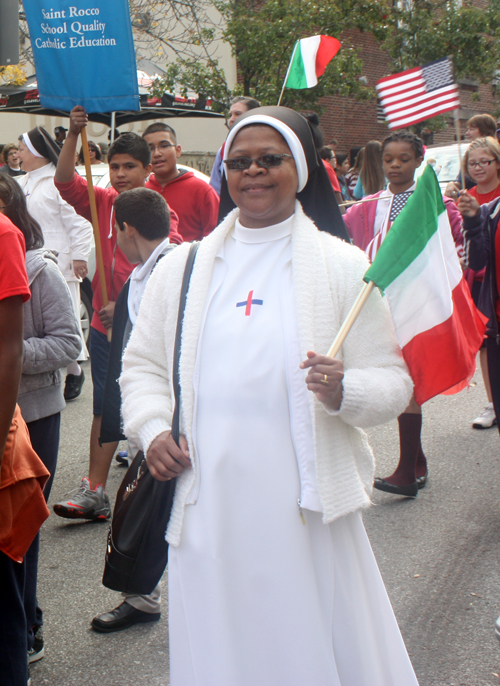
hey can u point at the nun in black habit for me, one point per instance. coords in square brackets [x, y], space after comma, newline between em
[272, 580]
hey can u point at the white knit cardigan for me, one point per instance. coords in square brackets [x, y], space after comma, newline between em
[327, 277]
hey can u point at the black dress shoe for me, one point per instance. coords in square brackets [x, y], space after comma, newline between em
[73, 386]
[409, 491]
[121, 618]
[422, 480]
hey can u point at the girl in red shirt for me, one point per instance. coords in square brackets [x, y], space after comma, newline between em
[482, 165]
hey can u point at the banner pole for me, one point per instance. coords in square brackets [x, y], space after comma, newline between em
[113, 126]
[95, 221]
[457, 133]
[288, 71]
[359, 303]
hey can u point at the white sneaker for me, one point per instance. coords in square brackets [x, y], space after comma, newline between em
[486, 419]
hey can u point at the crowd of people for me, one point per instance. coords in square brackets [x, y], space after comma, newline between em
[272, 469]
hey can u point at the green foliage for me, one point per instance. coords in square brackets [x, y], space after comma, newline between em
[425, 30]
[262, 36]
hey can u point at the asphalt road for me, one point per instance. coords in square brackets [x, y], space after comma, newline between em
[439, 556]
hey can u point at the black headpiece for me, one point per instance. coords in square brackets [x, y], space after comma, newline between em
[315, 192]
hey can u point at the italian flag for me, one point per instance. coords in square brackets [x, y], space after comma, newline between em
[437, 324]
[309, 59]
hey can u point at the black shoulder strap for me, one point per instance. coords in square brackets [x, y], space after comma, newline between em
[178, 336]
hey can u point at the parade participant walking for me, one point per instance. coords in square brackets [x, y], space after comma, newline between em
[129, 167]
[12, 166]
[14, 291]
[271, 576]
[195, 202]
[51, 342]
[482, 163]
[143, 226]
[368, 224]
[483, 251]
[68, 234]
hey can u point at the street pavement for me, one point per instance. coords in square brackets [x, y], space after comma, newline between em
[439, 556]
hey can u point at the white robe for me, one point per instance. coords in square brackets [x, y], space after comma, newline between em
[261, 592]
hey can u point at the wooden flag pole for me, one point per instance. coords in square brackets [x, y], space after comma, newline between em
[457, 133]
[349, 203]
[95, 221]
[288, 71]
[359, 303]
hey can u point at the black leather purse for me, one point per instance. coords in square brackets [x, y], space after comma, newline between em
[137, 552]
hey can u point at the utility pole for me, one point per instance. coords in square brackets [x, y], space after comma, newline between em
[9, 32]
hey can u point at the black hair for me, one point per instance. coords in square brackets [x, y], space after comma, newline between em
[317, 134]
[341, 158]
[160, 126]
[145, 210]
[326, 153]
[17, 211]
[133, 145]
[250, 103]
[94, 146]
[353, 154]
[406, 137]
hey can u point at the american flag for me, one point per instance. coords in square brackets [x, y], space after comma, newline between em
[417, 94]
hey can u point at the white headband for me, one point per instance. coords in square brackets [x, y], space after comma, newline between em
[31, 147]
[290, 136]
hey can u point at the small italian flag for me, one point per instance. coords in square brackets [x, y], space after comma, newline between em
[309, 59]
[437, 324]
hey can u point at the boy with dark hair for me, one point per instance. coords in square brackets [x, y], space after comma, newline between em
[195, 201]
[143, 224]
[129, 166]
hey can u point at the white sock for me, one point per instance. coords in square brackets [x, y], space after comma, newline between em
[74, 368]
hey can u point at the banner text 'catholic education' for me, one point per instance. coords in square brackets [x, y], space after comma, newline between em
[70, 28]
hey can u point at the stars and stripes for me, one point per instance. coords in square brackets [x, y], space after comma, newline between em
[419, 93]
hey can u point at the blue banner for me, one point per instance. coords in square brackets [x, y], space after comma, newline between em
[84, 54]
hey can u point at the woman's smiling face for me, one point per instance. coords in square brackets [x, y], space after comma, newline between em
[264, 196]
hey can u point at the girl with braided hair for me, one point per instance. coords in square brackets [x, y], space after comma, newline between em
[368, 224]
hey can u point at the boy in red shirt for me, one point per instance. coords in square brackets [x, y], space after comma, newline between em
[195, 201]
[129, 161]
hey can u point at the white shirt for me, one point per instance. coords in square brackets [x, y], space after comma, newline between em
[251, 297]
[139, 279]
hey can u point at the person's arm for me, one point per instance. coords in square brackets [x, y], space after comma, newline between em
[376, 386]
[60, 343]
[456, 224]
[209, 211]
[66, 164]
[477, 242]
[11, 360]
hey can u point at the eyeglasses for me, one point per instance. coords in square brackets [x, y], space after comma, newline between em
[482, 164]
[263, 162]
[164, 145]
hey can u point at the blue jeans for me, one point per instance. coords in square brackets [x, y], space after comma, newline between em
[99, 354]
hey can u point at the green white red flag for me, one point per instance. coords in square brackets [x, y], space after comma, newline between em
[437, 324]
[309, 60]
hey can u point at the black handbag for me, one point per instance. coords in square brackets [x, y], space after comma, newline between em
[137, 552]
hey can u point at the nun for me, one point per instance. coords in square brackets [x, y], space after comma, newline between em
[271, 576]
[67, 234]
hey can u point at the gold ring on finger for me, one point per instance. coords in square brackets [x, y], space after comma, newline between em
[324, 380]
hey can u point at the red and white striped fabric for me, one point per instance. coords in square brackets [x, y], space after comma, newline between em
[419, 93]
